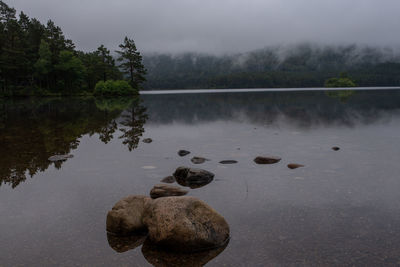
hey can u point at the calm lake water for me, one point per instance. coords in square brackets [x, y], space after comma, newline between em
[341, 209]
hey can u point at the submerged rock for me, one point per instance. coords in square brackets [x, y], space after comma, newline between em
[164, 190]
[168, 180]
[184, 224]
[335, 148]
[161, 258]
[125, 243]
[147, 140]
[228, 161]
[294, 165]
[183, 153]
[198, 160]
[193, 178]
[267, 160]
[60, 157]
[126, 216]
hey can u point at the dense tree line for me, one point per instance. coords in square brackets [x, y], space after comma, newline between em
[39, 59]
[303, 65]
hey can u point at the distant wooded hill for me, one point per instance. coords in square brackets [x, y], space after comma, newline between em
[303, 65]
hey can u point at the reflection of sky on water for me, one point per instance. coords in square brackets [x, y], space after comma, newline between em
[343, 206]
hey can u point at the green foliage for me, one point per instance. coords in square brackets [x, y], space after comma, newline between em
[114, 88]
[37, 59]
[342, 81]
[131, 62]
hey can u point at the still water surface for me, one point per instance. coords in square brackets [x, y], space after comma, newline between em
[342, 208]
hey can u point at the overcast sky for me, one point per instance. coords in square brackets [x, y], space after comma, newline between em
[219, 26]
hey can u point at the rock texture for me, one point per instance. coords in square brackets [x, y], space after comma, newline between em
[184, 224]
[294, 165]
[60, 157]
[168, 180]
[267, 160]
[126, 216]
[164, 190]
[193, 178]
[183, 153]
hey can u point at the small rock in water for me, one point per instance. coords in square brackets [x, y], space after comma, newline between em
[294, 165]
[198, 160]
[335, 148]
[60, 157]
[147, 140]
[228, 161]
[183, 153]
[267, 160]
[164, 190]
[193, 178]
[168, 180]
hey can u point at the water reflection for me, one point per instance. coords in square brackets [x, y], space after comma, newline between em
[299, 109]
[33, 130]
[161, 258]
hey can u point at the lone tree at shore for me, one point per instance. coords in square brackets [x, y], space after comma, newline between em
[131, 62]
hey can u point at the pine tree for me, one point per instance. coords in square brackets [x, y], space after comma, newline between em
[131, 62]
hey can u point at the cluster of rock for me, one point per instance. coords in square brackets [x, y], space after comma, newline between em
[171, 220]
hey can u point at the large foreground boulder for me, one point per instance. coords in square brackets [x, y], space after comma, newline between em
[193, 178]
[184, 224]
[126, 216]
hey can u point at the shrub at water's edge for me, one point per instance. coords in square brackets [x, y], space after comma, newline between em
[114, 88]
[342, 81]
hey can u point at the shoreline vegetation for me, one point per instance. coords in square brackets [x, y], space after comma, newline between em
[38, 60]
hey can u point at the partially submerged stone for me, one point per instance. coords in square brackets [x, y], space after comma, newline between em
[193, 178]
[184, 224]
[60, 157]
[183, 152]
[198, 160]
[164, 190]
[126, 216]
[160, 257]
[335, 148]
[125, 243]
[266, 160]
[147, 140]
[294, 165]
[228, 161]
[168, 180]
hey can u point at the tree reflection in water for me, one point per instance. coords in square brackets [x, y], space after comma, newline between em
[32, 130]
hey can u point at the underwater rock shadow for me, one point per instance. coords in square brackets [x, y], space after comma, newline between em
[160, 257]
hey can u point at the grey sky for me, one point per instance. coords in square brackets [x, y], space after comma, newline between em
[218, 26]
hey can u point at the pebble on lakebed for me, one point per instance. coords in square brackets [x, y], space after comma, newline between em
[198, 160]
[266, 160]
[147, 140]
[294, 166]
[183, 152]
[228, 161]
[335, 148]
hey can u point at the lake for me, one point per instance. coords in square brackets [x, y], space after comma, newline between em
[341, 209]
